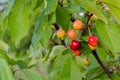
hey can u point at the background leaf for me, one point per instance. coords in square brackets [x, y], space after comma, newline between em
[3, 46]
[30, 75]
[18, 20]
[5, 72]
[41, 22]
[6, 9]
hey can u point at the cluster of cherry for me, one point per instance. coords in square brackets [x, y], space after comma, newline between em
[76, 44]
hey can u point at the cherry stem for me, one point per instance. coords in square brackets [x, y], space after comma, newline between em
[89, 16]
[72, 19]
[89, 31]
[56, 26]
[60, 3]
[63, 42]
[109, 73]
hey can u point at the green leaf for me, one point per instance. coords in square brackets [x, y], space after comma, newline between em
[119, 57]
[66, 70]
[94, 73]
[22, 64]
[56, 51]
[75, 71]
[58, 66]
[62, 18]
[45, 39]
[100, 52]
[5, 72]
[18, 20]
[115, 77]
[85, 48]
[30, 75]
[9, 60]
[110, 36]
[6, 9]
[93, 9]
[41, 28]
[50, 6]
[3, 46]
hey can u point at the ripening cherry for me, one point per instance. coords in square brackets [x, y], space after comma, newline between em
[75, 45]
[77, 52]
[93, 47]
[93, 18]
[60, 33]
[72, 34]
[77, 25]
[86, 62]
[93, 40]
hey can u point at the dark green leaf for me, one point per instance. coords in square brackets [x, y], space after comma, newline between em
[9, 60]
[22, 64]
[85, 48]
[115, 77]
[62, 18]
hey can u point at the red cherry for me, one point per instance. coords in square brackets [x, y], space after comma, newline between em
[93, 40]
[74, 45]
[77, 52]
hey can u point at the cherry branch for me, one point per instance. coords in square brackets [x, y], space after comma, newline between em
[109, 73]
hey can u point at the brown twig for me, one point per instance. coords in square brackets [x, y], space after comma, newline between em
[87, 25]
[109, 73]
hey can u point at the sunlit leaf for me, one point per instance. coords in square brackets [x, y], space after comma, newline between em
[109, 35]
[93, 9]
